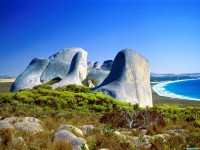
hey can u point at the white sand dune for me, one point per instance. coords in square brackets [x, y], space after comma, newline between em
[7, 80]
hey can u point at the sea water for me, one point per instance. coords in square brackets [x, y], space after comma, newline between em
[182, 89]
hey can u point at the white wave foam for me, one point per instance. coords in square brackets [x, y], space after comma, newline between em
[160, 90]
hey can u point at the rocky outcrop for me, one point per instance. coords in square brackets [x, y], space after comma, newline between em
[26, 124]
[100, 74]
[29, 127]
[31, 76]
[86, 128]
[78, 132]
[107, 65]
[60, 63]
[90, 84]
[64, 136]
[70, 65]
[129, 79]
[77, 72]
[96, 65]
[90, 66]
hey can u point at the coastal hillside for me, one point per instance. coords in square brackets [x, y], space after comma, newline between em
[72, 117]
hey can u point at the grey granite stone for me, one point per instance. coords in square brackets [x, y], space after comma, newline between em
[129, 79]
[31, 76]
[60, 64]
[77, 72]
[107, 65]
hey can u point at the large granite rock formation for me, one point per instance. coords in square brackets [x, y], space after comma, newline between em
[129, 79]
[107, 65]
[90, 66]
[100, 74]
[31, 76]
[77, 72]
[59, 64]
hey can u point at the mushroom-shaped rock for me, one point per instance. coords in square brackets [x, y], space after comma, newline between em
[129, 79]
[77, 72]
[31, 76]
[107, 65]
[30, 127]
[66, 136]
[60, 63]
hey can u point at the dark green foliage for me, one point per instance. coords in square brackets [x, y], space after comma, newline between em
[136, 117]
[68, 97]
[113, 118]
[193, 140]
[53, 81]
[173, 114]
[84, 82]
[75, 88]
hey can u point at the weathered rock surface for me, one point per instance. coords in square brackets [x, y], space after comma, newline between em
[60, 63]
[31, 127]
[90, 84]
[20, 143]
[77, 72]
[78, 132]
[66, 136]
[4, 124]
[107, 65]
[11, 120]
[86, 128]
[30, 119]
[31, 76]
[96, 65]
[129, 79]
[69, 64]
[100, 74]
[90, 65]
[178, 132]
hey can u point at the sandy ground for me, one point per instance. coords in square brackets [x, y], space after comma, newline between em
[7, 80]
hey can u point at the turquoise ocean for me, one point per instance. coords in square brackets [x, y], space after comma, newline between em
[181, 89]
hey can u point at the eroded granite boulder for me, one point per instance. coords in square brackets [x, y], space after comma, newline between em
[107, 65]
[129, 79]
[60, 63]
[31, 76]
[77, 72]
[100, 74]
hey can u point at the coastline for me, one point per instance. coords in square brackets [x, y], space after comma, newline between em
[161, 91]
[157, 100]
[7, 80]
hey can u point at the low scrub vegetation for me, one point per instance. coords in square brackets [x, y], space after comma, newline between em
[77, 105]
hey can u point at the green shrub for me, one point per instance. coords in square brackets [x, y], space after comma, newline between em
[84, 82]
[75, 88]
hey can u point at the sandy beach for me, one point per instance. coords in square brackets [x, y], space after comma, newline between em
[7, 80]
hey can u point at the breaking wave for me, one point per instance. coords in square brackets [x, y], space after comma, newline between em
[161, 90]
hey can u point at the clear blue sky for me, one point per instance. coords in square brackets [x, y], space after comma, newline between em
[167, 33]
